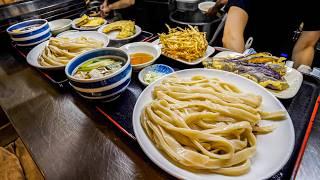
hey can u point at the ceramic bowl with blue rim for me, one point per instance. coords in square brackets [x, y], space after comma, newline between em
[106, 88]
[150, 74]
[30, 33]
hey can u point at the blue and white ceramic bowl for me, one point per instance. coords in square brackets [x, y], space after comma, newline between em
[30, 37]
[107, 88]
[160, 69]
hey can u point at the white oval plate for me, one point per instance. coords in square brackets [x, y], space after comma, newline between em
[273, 149]
[86, 29]
[33, 55]
[293, 77]
[113, 34]
[210, 50]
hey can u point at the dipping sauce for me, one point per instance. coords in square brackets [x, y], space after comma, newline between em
[140, 58]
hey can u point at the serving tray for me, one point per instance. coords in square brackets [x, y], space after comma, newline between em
[299, 107]
[119, 112]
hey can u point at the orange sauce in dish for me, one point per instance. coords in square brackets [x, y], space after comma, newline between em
[140, 58]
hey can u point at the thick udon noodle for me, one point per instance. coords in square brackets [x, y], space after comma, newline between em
[206, 124]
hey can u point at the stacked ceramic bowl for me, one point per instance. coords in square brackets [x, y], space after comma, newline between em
[107, 88]
[29, 33]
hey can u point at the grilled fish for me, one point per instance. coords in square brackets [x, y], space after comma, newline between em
[266, 70]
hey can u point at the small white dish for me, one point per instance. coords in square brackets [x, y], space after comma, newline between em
[227, 54]
[113, 34]
[33, 55]
[273, 149]
[86, 28]
[210, 50]
[142, 47]
[205, 6]
[60, 25]
[160, 69]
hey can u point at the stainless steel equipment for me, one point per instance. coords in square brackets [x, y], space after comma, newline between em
[47, 9]
[33, 9]
[196, 18]
[187, 5]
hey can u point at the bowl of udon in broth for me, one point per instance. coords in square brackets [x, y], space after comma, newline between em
[29, 33]
[100, 74]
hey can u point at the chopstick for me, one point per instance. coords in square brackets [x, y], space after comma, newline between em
[305, 139]
[150, 39]
[114, 122]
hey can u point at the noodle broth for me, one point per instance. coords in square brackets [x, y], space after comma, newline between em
[99, 67]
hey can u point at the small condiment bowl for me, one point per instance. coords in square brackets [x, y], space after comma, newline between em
[205, 6]
[143, 47]
[157, 68]
[60, 25]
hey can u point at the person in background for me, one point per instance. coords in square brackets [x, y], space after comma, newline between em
[106, 7]
[215, 9]
[303, 51]
[272, 25]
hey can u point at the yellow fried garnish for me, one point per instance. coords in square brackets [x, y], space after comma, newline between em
[186, 44]
[82, 20]
[126, 28]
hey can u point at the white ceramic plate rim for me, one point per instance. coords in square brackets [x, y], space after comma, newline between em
[294, 85]
[210, 50]
[156, 156]
[33, 55]
[138, 31]
[86, 29]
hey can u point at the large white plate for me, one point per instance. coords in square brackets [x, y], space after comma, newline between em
[293, 77]
[273, 149]
[33, 55]
[84, 28]
[113, 34]
[210, 50]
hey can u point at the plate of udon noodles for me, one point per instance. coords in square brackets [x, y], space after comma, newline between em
[212, 124]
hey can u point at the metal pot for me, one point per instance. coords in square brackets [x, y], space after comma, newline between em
[196, 18]
[187, 5]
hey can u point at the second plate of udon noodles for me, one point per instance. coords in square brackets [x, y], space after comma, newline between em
[273, 149]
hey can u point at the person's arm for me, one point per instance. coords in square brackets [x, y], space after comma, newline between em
[303, 51]
[105, 8]
[121, 4]
[214, 10]
[234, 28]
